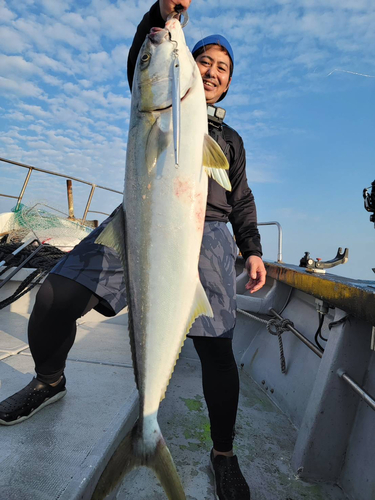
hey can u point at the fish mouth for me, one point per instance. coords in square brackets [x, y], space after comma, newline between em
[161, 110]
[158, 35]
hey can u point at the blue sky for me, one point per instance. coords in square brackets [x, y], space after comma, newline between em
[302, 98]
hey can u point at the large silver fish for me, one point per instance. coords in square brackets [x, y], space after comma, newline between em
[158, 235]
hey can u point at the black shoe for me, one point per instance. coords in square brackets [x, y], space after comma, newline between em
[229, 481]
[29, 400]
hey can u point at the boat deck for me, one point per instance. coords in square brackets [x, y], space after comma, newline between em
[61, 451]
[57, 453]
[264, 444]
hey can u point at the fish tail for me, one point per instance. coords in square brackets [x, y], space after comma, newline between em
[165, 469]
[133, 452]
[120, 464]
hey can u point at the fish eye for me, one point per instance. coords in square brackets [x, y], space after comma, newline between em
[145, 58]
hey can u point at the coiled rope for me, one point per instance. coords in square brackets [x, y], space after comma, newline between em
[277, 327]
[43, 262]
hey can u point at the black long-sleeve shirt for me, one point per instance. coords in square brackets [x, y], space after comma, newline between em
[237, 206]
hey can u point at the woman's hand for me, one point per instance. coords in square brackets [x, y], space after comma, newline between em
[168, 6]
[257, 273]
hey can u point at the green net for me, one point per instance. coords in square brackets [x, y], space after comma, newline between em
[42, 221]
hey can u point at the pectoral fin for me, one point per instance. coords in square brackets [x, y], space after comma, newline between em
[215, 162]
[158, 140]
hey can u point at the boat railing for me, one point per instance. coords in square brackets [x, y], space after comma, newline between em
[30, 170]
[279, 239]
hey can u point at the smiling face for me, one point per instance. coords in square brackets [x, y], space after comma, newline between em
[215, 68]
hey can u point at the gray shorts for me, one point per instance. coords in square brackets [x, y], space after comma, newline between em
[99, 269]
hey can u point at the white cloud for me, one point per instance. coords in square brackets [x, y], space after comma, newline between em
[17, 66]
[118, 101]
[85, 83]
[59, 141]
[36, 128]
[114, 20]
[60, 33]
[38, 144]
[57, 7]
[36, 111]
[11, 41]
[6, 15]
[120, 56]
[34, 33]
[18, 116]
[19, 88]
[48, 63]
[52, 80]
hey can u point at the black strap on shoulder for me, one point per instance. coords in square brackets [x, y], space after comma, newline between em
[217, 134]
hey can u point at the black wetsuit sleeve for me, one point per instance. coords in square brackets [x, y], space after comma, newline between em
[151, 19]
[243, 216]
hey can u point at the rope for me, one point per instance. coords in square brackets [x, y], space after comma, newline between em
[277, 327]
[43, 261]
[261, 320]
[46, 255]
[27, 284]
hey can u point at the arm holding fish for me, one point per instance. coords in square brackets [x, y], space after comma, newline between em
[154, 18]
[169, 6]
[244, 220]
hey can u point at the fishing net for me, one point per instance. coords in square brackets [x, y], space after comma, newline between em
[45, 223]
[55, 231]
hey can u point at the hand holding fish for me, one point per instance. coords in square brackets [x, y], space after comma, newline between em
[257, 273]
[169, 6]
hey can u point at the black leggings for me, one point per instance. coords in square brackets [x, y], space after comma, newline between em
[52, 325]
[52, 331]
[220, 387]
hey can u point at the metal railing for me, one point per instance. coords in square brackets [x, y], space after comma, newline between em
[279, 239]
[340, 372]
[49, 172]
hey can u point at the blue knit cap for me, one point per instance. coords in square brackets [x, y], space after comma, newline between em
[215, 40]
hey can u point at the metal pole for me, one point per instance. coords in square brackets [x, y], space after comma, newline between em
[9, 196]
[356, 388]
[298, 334]
[93, 186]
[70, 198]
[24, 188]
[280, 237]
[57, 174]
[18, 250]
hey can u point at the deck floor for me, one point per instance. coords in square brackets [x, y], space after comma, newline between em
[264, 445]
[40, 456]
